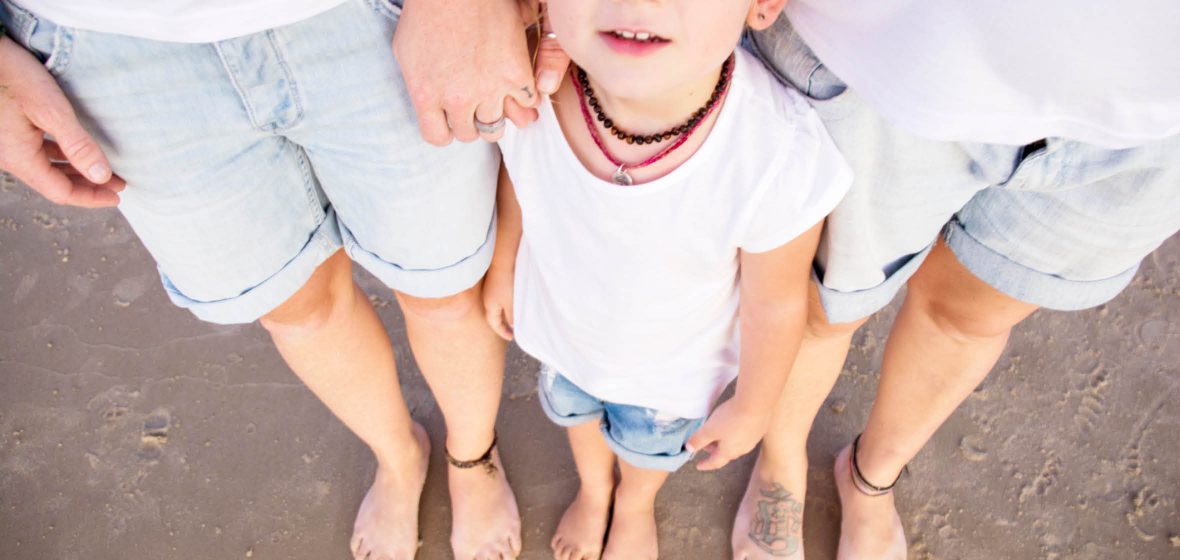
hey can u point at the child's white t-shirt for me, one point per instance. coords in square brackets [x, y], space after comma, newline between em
[632, 292]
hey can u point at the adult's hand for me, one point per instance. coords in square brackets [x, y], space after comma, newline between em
[70, 169]
[468, 59]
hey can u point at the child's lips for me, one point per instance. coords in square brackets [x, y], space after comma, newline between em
[630, 42]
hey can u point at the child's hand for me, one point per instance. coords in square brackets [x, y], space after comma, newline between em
[497, 301]
[732, 431]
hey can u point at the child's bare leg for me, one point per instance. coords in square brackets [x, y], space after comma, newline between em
[633, 529]
[582, 529]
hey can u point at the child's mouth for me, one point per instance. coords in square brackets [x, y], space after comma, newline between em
[638, 36]
[634, 43]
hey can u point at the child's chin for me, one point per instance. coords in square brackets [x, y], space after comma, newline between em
[628, 85]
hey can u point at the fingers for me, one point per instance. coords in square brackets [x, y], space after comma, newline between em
[704, 440]
[490, 115]
[461, 118]
[49, 110]
[552, 64]
[432, 123]
[520, 116]
[70, 189]
[715, 461]
[495, 318]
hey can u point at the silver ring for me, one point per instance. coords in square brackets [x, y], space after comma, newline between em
[489, 128]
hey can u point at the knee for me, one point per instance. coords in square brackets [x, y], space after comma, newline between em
[818, 326]
[959, 304]
[330, 288]
[961, 320]
[444, 309]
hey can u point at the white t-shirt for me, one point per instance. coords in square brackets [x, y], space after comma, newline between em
[183, 21]
[632, 292]
[998, 71]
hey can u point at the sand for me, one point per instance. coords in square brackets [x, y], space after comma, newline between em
[128, 429]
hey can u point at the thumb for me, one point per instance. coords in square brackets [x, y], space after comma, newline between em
[52, 113]
[552, 64]
[699, 440]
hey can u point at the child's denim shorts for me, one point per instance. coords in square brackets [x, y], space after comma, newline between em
[250, 161]
[643, 437]
[1061, 225]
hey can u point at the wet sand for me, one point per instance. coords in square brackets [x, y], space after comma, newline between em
[128, 429]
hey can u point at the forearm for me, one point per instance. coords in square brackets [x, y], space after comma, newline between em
[773, 313]
[508, 225]
[771, 335]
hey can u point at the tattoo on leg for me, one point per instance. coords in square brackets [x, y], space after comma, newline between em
[778, 525]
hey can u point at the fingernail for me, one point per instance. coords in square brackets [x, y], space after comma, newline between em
[547, 82]
[99, 173]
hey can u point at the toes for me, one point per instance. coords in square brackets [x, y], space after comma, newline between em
[514, 545]
[362, 551]
[355, 545]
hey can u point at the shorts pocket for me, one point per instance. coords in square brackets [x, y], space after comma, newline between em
[48, 41]
[391, 9]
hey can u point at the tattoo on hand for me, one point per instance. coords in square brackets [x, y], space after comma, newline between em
[778, 525]
[527, 91]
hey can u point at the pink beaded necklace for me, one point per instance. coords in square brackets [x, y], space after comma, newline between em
[620, 176]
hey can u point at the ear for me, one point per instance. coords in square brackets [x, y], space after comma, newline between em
[763, 13]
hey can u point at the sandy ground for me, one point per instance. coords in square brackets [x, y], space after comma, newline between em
[128, 429]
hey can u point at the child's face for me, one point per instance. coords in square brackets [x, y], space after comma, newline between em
[643, 49]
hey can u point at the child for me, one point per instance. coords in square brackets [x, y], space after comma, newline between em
[669, 175]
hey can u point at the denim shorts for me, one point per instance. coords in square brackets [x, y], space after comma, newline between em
[1062, 225]
[249, 161]
[643, 437]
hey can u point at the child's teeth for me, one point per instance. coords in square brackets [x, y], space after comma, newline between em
[642, 36]
[626, 34]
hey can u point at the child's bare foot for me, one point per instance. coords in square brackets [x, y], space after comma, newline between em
[869, 525]
[632, 531]
[582, 529]
[769, 522]
[387, 522]
[484, 520]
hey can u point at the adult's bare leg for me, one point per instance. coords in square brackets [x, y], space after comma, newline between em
[769, 521]
[333, 340]
[948, 335]
[463, 361]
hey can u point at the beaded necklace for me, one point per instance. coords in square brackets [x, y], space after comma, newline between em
[684, 130]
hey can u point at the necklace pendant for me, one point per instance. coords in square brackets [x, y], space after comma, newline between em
[621, 177]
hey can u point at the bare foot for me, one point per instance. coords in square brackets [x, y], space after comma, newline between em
[582, 529]
[869, 525]
[632, 533]
[769, 522]
[485, 524]
[387, 522]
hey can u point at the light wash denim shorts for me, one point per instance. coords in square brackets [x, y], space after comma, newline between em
[1062, 226]
[643, 437]
[249, 161]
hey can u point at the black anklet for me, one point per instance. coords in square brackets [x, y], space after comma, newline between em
[858, 480]
[485, 460]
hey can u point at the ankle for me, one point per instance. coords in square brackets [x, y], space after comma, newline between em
[402, 451]
[782, 466]
[470, 446]
[876, 466]
[633, 502]
[596, 492]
